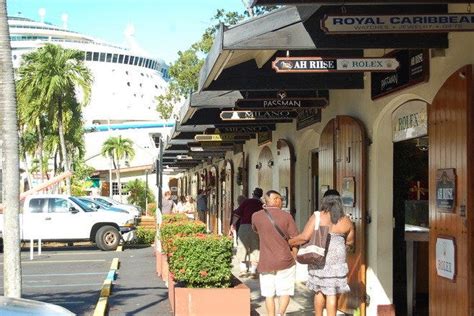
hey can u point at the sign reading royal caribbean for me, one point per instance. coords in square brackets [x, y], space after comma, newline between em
[257, 115]
[282, 103]
[410, 23]
[324, 64]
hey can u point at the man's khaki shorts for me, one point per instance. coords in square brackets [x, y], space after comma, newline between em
[280, 282]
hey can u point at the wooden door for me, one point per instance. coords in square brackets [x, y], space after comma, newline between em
[342, 165]
[213, 176]
[450, 119]
[286, 174]
[264, 166]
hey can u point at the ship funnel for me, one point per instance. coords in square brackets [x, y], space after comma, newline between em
[64, 18]
[42, 14]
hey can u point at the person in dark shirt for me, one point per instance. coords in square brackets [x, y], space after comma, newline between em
[201, 206]
[247, 239]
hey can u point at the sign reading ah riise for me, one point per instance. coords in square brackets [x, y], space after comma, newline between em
[257, 115]
[410, 23]
[327, 64]
[282, 103]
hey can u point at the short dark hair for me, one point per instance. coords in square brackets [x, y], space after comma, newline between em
[258, 192]
[331, 192]
[270, 192]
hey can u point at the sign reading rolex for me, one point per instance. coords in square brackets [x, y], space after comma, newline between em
[409, 23]
[257, 115]
[327, 64]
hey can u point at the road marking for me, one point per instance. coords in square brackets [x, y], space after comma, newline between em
[64, 274]
[62, 285]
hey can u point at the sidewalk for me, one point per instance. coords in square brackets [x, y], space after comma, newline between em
[301, 303]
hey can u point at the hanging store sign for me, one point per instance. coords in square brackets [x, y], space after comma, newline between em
[446, 190]
[414, 68]
[307, 117]
[239, 129]
[220, 137]
[257, 115]
[410, 120]
[410, 23]
[446, 257]
[324, 64]
[281, 103]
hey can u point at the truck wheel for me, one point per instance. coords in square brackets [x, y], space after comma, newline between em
[107, 238]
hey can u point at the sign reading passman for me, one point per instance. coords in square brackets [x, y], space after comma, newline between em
[257, 115]
[410, 23]
[326, 64]
[278, 103]
[227, 137]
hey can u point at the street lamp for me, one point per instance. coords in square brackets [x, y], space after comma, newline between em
[159, 167]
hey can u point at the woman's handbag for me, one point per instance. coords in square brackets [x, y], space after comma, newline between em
[314, 251]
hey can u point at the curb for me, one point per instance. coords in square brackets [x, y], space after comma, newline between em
[101, 308]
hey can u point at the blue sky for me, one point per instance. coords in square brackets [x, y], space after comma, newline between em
[162, 27]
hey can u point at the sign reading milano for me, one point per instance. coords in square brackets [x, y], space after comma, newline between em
[414, 68]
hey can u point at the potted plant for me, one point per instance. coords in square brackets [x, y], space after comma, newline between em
[171, 228]
[201, 267]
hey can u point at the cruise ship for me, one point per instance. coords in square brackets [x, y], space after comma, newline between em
[127, 81]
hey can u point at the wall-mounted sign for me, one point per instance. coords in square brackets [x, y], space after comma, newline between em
[348, 192]
[410, 120]
[279, 103]
[446, 257]
[414, 68]
[227, 137]
[264, 138]
[445, 190]
[257, 115]
[327, 64]
[409, 23]
[307, 117]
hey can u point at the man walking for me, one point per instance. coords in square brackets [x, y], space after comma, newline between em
[167, 204]
[247, 243]
[277, 264]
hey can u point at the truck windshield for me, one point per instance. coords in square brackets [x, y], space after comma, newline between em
[83, 205]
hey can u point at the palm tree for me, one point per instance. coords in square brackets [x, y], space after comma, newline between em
[10, 169]
[51, 76]
[118, 148]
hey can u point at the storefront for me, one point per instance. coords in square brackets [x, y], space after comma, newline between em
[396, 144]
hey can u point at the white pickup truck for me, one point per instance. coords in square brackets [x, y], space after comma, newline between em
[54, 217]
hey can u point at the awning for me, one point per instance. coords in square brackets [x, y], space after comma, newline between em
[338, 2]
[250, 45]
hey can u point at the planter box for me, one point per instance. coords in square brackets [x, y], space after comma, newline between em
[171, 290]
[158, 263]
[209, 302]
[164, 267]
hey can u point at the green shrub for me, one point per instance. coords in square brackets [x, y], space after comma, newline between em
[145, 236]
[171, 218]
[202, 261]
[151, 209]
[171, 230]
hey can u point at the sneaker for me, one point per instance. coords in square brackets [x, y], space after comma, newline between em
[243, 274]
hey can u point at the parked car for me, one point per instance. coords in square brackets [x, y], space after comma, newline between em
[132, 209]
[101, 206]
[55, 217]
[22, 306]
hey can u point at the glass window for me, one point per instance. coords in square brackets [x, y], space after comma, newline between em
[120, 59]
[102, 57]
[37, 205]
[136, 61]
[141, 62]
[88, 55]
[126, 59]
[58, 205]
[114, 58]
[108, 58]
[115, 190]
[96, 56]
[132, 58]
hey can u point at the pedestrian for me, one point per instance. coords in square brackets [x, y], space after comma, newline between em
[167, 204]
[247, 239]
[190, 207]
[330, 280]
[276, 265]
[201, 205]
[180, 205]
